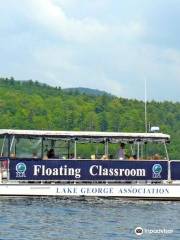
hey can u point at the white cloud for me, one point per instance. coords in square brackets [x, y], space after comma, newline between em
[98, 44]
[52, 17]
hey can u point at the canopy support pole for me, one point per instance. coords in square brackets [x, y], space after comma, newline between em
[9, 145]
[42, 148]
[132, 150]
[75, 150]
[169, 167]
[138, 151]
[167, 155]
[68, 149]
[142, 151]
[106, 147]
[12, 141]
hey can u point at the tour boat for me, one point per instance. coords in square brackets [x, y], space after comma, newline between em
[81, 163]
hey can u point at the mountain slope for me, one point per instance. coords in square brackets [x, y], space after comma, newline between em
[31, 105]
[88, 91]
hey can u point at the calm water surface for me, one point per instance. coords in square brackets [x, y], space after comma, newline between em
[52, 219]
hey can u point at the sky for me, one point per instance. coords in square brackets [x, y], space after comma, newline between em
[111, 45]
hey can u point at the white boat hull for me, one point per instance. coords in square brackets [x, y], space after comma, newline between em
[138, 191]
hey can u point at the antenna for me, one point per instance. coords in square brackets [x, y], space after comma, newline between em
[145, 104]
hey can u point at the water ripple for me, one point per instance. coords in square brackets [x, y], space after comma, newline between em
[85, 218]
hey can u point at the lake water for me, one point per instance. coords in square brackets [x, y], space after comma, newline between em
[52, 219]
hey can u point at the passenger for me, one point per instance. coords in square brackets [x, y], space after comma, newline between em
[105, 157]
[34, 155]
[93, 157]
[156, 157]
[5, 164]
[45, 157]
[50, 153]
[121, 152]
[71, 156]
[133, 157]
[13, 155]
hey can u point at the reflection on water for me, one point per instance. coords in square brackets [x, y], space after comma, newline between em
[86, 218]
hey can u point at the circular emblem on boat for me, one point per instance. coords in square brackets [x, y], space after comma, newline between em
[138, 231]
[21, 167]
[157, 168]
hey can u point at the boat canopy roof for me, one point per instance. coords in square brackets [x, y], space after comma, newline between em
[90, 136]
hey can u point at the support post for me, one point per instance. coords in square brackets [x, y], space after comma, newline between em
[68, 149]
[9, 145]
[42, 148]
[106, 147]
[75, 150]
[137, 150]
[169, 163]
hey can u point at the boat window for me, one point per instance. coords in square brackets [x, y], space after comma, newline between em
[26, 147]
[62, 148]
[155, 151]
[90, 150]
[3, 146]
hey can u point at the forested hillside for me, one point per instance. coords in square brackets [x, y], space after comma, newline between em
[88, 91]
[31, 105]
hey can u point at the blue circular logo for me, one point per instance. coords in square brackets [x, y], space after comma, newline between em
[21, 167]
[157, 168]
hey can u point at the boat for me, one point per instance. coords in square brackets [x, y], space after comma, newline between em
[51, 163]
